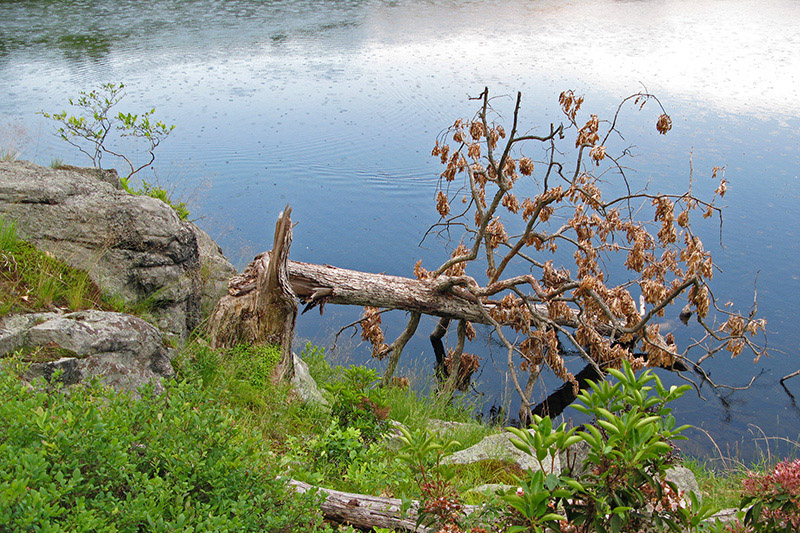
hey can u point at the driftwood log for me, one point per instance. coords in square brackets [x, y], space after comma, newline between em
[317, 285]
[236, 318]
[365, 512]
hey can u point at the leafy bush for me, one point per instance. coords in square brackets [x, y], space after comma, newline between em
[422, 453]
[92, 129]
[623, 486]
[773, 499]
[358, 402]
[95, 460]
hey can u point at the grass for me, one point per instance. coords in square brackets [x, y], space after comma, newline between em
[720, 488]
[242, 376]
[13, 137]
[159, 193]
[721, 479]
[45, 353]
[32, 280]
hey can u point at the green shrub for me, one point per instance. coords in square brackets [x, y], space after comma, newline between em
[623, 487]
[97, 460]
[94, 128]
[359, 403]
[772, 499]
[422, 454]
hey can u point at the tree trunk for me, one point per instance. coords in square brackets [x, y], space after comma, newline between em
[318, 285]
[364, 511]
[268, 315]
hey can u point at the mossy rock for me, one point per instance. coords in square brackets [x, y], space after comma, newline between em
[45, 353]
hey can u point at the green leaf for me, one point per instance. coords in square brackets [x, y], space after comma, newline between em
[608, 426]
[648, 420]
[616, 373]
[573, 484]
[520, 445]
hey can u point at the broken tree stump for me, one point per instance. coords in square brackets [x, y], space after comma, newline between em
[269, 316]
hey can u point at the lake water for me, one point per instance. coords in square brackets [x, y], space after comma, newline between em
[333, 107]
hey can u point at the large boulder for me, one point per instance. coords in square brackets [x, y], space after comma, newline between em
[134, 247]
[304, 385]
[215, 271]
[123, 351]
[498, 447]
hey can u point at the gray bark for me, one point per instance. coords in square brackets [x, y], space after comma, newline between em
[365, 511]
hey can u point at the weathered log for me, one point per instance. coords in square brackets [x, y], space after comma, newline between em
[364, 511]
[317, 285]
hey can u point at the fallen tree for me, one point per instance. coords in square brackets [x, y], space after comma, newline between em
[536, 308]
[366, 512]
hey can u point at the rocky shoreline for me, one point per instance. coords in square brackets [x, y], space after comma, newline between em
[137, 249]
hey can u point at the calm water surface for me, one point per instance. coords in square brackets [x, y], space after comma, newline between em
[333, 107]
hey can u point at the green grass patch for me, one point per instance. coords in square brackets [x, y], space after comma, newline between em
[347, 446]
[159, 193]
[32, 280]
[44, 353]
[242, 377]
[722, 489]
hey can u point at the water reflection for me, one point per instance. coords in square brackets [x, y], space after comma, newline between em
[333, 106]
[87, 46]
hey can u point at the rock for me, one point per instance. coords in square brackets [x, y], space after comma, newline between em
[124, 351]
[574, 459]
[685, 481]
[448, 426]
[394, 429]
[304, 385]
[215, 271]
[490, 489]
[134, 247]
[499, 447]
[725, 516]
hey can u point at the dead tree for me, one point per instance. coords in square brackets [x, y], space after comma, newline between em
[269, 316]
[512, 200]
[366, 512]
